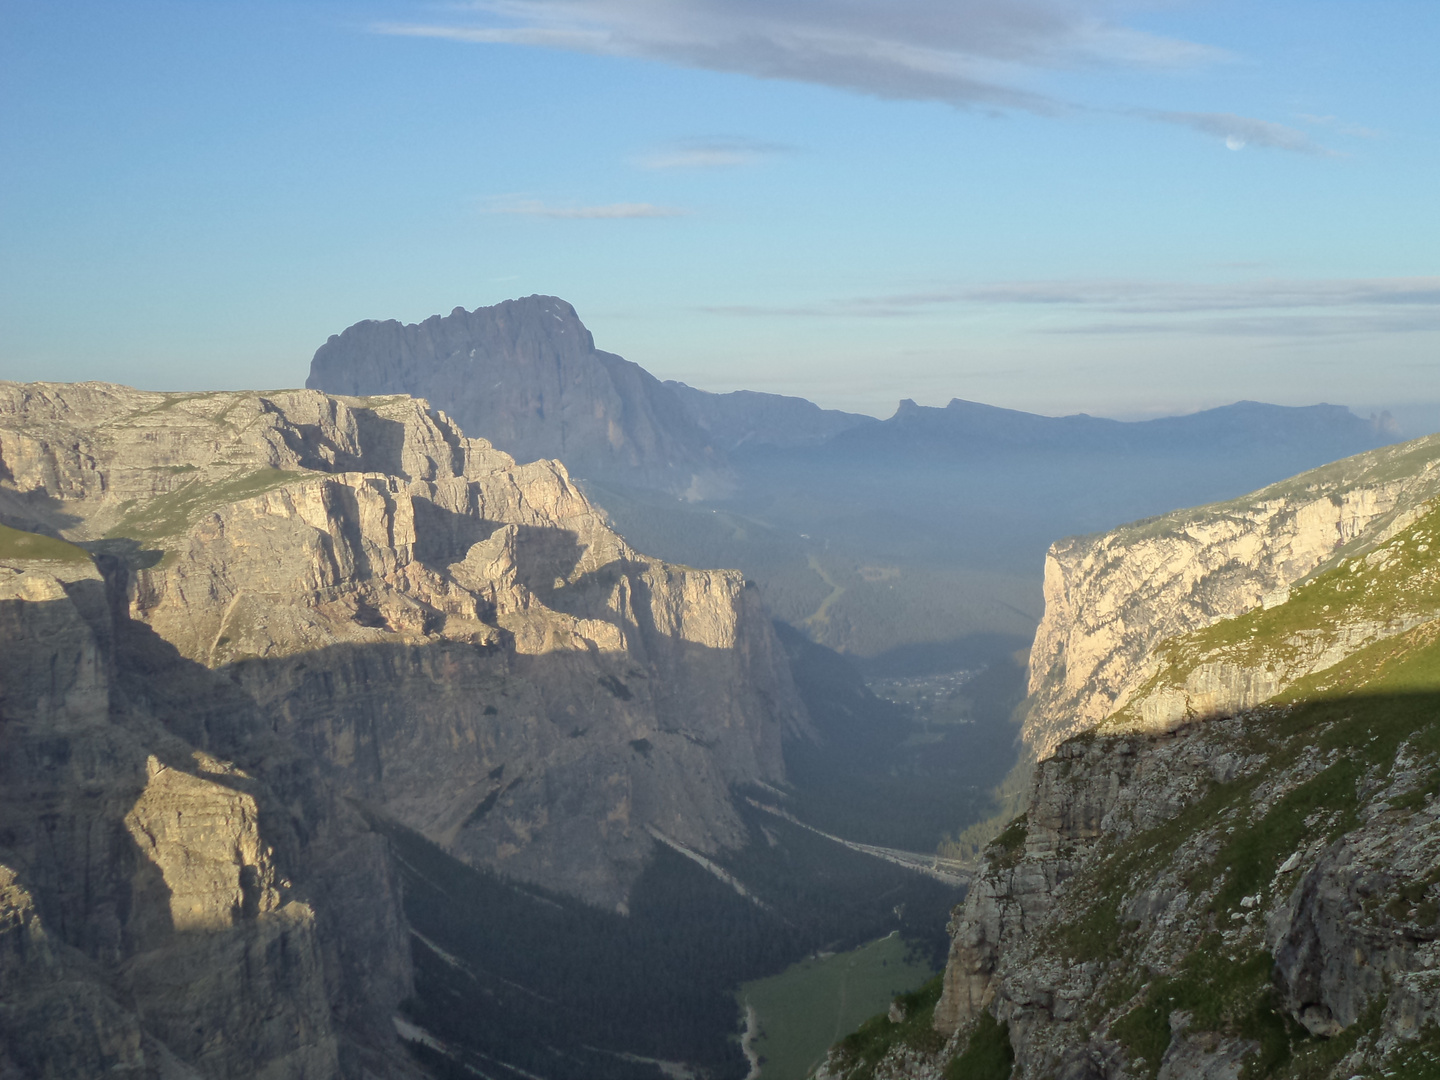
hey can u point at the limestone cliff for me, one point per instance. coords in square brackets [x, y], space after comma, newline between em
[460, 640]
[1253, 894]
[1111, 599]
[164, 911]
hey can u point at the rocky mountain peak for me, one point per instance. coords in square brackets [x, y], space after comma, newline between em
[526, 374]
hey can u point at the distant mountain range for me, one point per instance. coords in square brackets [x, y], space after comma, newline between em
[968, 429]
[928, 526]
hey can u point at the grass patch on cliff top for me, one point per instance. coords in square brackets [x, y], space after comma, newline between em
[18, 544]
[173, 513]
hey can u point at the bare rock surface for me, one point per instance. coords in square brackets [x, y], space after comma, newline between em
[162, 909]
[1112, 598]
[461, 640]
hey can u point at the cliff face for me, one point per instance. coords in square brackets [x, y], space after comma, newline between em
[460, 641]
[1257, 892]
[526, 375]
[1253, 894]
[164, 911]
[1237, 870]
[1111, 599]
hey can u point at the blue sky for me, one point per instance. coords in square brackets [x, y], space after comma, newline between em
[1055, 205]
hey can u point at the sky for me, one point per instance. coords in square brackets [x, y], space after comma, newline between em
[1126, 209]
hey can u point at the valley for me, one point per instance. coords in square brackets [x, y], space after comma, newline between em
[695, 540]
[306, 641]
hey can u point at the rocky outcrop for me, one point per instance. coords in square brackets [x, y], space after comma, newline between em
[461, 641]
[1111, 599]
[526, 375]
[164, 911]
[1138, 901]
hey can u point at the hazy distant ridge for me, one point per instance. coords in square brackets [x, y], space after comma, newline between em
[748, 418]
[968, 427]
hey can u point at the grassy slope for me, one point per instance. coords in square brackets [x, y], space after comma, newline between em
[172, 514]
[16, 544]
[1359, 713]
[1389, 694]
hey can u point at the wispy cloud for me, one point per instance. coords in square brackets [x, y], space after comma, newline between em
[710, 154]
[1330, 325]
[1344, 127]
[965, 52]
[1238, 132]
[1178, 298]
[984, 54]
[1265, 307]
[536, 208]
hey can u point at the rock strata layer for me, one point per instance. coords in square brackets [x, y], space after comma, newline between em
[461, 641]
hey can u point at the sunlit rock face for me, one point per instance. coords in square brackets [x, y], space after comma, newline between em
[1113, 598]
[525, 374]
[461, 641]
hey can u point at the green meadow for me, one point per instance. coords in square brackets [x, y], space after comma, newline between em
[811, 1005]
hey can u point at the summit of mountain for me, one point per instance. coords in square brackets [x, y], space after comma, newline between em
[527, 374]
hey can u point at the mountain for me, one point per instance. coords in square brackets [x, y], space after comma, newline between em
[251, 641]
[927, 530]
[456, 637]
[1235, 871]
[526, 374]
[745, 419]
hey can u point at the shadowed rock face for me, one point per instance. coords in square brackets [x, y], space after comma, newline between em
[526, 375]
[461, 642]
[164, 911]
